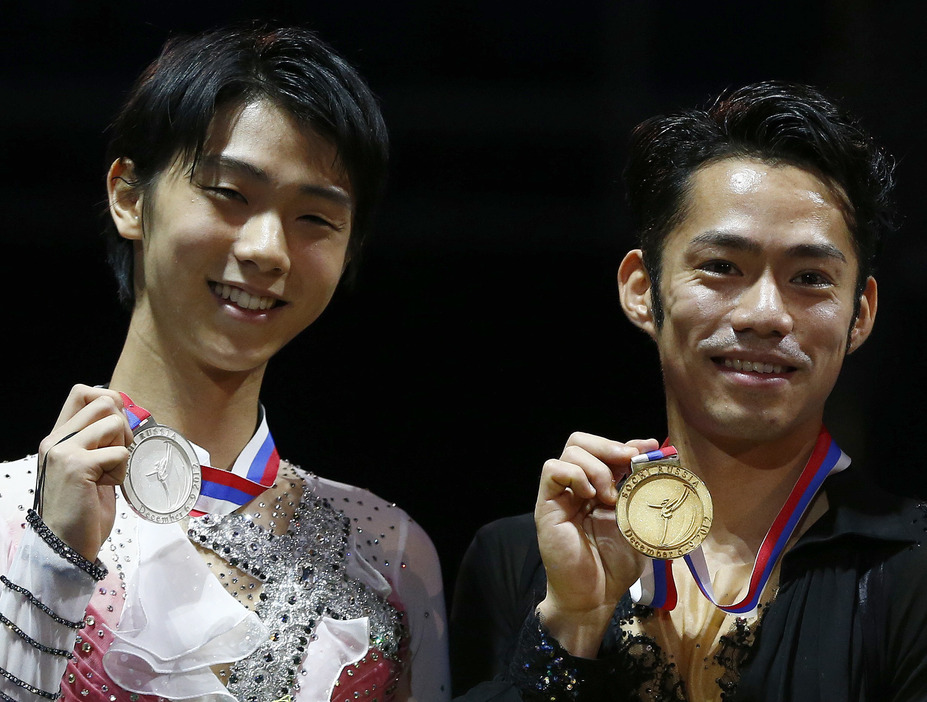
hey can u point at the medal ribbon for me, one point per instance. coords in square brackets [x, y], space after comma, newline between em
[136, 415]
[656, 587]
[224, 491]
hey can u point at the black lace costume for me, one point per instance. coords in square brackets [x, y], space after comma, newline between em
[849, 621]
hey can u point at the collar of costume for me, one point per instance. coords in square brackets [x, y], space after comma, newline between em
[224, 491]
[656, 587]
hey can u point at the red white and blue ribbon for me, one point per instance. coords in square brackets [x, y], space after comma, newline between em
[224, 491]
[136, 415]
[659, 454]
[656, 587]
[254, 471]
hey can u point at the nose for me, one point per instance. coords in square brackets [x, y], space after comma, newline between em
[262, 243]
[762, 309]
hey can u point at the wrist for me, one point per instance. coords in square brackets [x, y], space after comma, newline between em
[94, 569]
[541, 669]
[579, 631]
[72, 535]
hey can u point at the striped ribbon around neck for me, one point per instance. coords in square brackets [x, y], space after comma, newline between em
[656, 587]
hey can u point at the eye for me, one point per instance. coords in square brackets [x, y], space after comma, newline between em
[316, 219]
[327, 222]
[718, 267]
[221, 192]
[225, 193]
[812, 279]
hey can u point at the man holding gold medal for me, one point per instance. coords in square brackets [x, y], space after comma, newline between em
[740, 558]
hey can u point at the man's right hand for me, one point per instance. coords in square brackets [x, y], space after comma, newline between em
[85, 458]
[589, 563]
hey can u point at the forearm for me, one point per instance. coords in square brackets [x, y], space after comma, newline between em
[579, 633]
[43, 596]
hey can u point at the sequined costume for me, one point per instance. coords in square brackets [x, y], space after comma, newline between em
[315, 591]
[849, 621]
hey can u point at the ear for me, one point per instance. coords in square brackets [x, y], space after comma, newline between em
[125, 199]
[862, 327]
[634, 291]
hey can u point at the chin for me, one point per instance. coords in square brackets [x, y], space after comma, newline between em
[752, 427]
[234, 363]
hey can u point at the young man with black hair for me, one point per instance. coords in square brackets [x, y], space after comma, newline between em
[246, 165]
[742, 558]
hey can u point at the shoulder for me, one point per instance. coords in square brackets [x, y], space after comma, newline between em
[886, 530]
[517, 531]
[893, 611]
[906, 563]
[370, 513]
[386, 538]
[506, 548]
[385, 533]
[861, 508]
[503, 556]
[356, 502]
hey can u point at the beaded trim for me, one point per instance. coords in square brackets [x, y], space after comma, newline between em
[29, 688]
[6, 698]
[97, 570]
[32, 642]
[41, 605]
[544, 671]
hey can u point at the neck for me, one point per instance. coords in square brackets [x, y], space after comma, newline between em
[215, 409]
[749, 479]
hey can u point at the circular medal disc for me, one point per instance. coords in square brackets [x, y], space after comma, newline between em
[664, 511]
[163, 477]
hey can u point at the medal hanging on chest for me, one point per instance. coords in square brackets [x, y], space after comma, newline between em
[656, 587]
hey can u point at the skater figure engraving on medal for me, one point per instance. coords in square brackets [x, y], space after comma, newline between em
[668, 508]
[160, 471]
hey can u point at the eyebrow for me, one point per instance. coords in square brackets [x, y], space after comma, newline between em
[329, 192]
[742, 243]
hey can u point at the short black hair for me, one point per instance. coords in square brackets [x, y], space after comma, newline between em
[170, 107]
[772, 121]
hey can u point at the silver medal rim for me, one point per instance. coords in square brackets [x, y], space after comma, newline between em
[137, 504]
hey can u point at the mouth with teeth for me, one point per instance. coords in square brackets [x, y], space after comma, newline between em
[753, 366]
[242, 299]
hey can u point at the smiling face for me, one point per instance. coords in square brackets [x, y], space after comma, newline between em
[237, 258]
[758, 293]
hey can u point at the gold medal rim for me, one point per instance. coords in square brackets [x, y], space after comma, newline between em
[634, 481]
[134, 500]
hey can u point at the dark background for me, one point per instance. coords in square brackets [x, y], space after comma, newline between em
[485, 325]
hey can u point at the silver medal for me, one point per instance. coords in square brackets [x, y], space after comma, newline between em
[163, 478]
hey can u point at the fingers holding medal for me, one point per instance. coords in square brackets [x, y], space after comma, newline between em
[587, 470]
[589, 566]
[91, 420]
[78, 463]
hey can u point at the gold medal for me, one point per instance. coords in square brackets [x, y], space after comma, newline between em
[663, 510]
